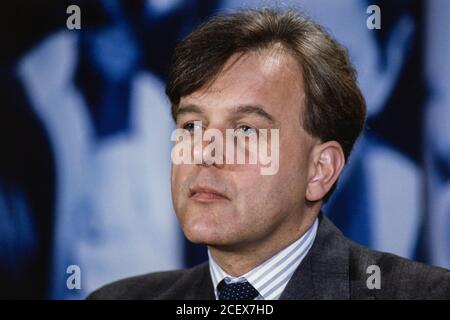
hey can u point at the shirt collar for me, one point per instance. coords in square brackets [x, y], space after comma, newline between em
[270, 277]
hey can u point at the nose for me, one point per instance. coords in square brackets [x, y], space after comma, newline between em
[210, 149]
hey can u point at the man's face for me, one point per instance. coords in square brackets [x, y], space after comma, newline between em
[229, 205]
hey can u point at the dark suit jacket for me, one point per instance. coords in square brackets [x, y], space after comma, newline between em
[334, 268]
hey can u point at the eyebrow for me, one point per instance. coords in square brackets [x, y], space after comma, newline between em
[190, 108]
[241, 109]
[256, 110]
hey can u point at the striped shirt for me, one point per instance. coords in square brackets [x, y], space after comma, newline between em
[271, 277]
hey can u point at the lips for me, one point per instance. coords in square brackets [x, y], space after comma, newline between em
[206, 194]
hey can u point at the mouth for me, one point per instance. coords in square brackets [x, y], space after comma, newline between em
[206, 194]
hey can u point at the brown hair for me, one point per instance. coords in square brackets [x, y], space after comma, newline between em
[335, 109]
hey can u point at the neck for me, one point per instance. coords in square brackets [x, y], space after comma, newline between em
[238, 260]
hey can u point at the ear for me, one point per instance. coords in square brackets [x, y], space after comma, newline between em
[326, 164]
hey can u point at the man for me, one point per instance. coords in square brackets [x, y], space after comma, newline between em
[266, 235]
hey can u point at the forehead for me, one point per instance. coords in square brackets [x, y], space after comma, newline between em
[269, 77]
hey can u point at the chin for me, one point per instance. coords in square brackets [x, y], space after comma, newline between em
[201, 233]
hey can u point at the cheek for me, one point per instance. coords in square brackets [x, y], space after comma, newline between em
[176, 172]
[287, 183]
[175, 183]
[262, 203]
[257, 194]
[294, 157]
[179, 184]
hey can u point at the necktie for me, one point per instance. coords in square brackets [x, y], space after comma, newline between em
[236, 291]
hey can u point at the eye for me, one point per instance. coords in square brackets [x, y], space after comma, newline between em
[192, 126]
[246, 130]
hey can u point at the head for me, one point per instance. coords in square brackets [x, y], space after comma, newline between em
[252, 70]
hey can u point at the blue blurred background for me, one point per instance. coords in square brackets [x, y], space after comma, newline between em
[85, 136]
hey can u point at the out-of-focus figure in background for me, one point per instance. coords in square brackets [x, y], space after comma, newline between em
[437, 132]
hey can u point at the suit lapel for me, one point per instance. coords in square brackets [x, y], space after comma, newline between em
[324, 273]
[203, 289]
[194, 284]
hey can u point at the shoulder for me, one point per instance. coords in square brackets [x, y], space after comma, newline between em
[399, 278]
[149, 286]
[396, 277]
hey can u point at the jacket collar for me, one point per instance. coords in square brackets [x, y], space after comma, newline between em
[324, 273]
